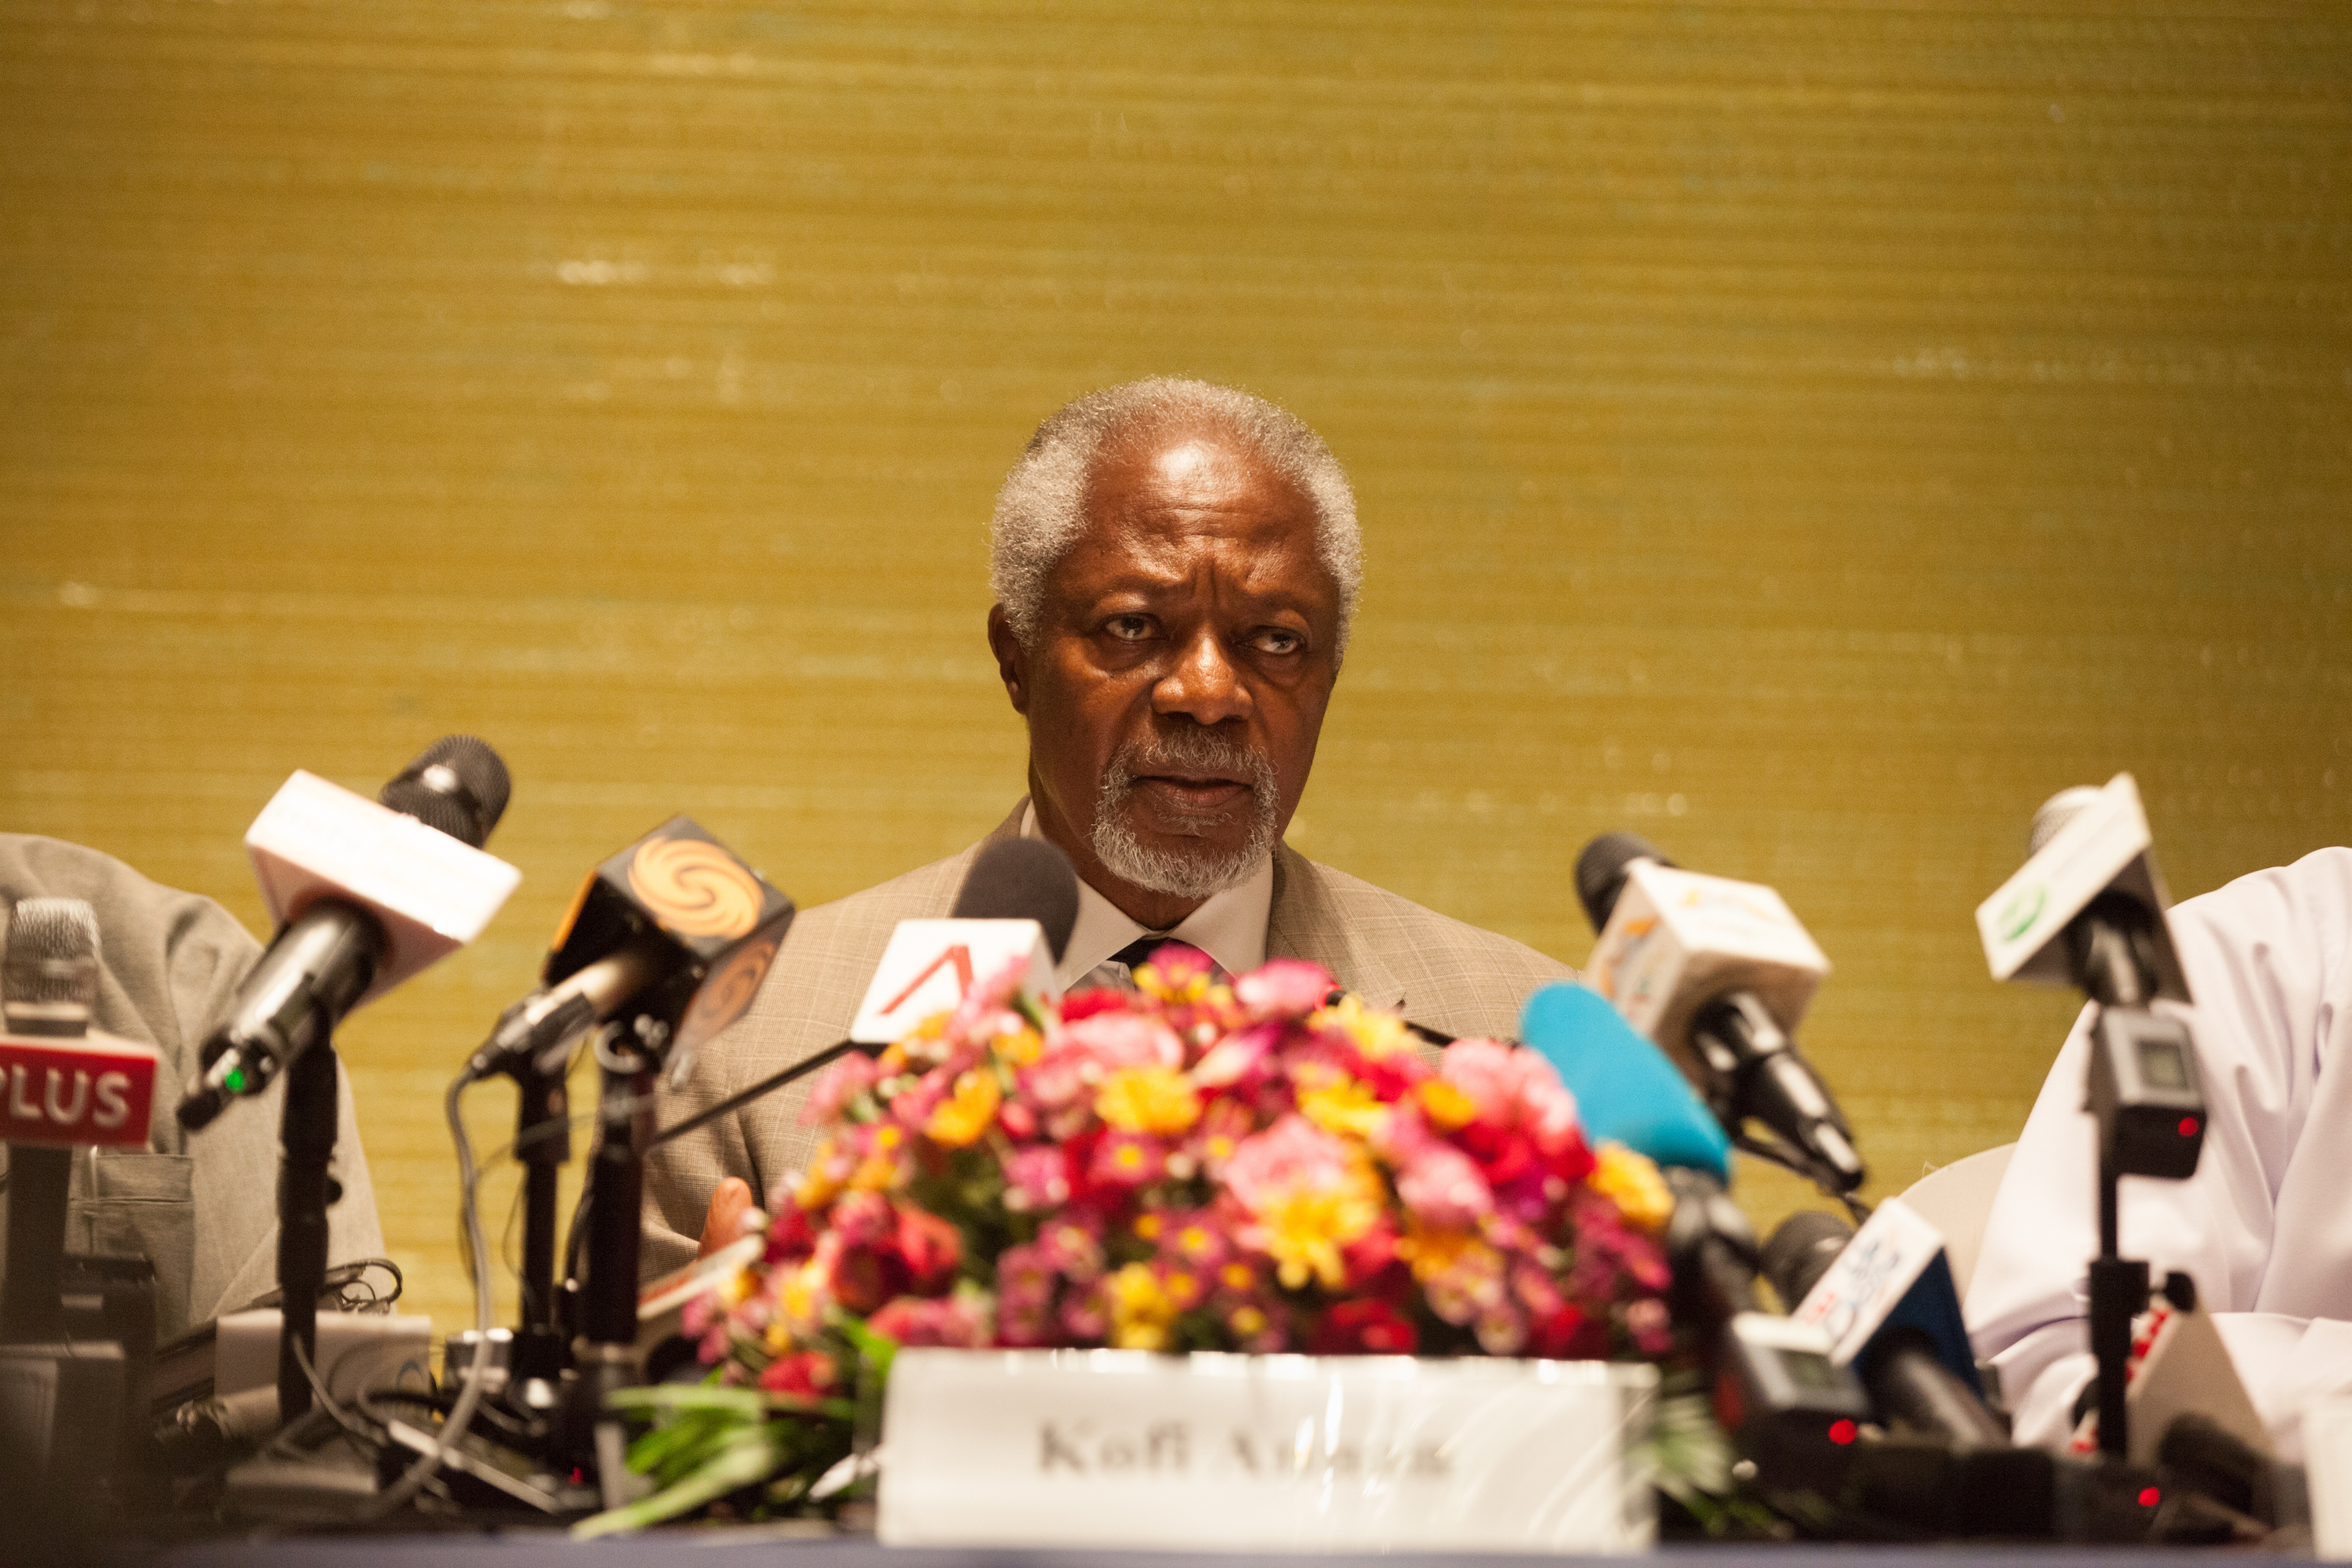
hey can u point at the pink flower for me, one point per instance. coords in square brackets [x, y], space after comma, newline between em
[991, 993]
[1127, 1160]
[1284, 989]
[914, 1108]
[1513, 1091]
[839, 1084]
[1114, 1041]
[954, 1321]
[1291, 1155]
[1072, 1249]
[860, 1219]
[1442, 1186]
[1036, 1178]
[1502, 1329]
[1235, 1056]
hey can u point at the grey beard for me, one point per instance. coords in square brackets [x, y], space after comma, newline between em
[1173, 871]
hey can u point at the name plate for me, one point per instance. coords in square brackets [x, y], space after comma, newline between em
[1125, 1448]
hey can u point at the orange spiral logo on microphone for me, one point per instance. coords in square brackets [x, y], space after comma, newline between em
[696, 888]
[726, 993]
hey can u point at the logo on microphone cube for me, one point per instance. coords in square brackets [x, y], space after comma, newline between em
[1854, 1300]
[931, 966]
[94, 1089]
[680, 890]
[1675, 936]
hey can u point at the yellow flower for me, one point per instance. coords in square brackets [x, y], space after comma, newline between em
[1376, 1034]
[1346, 1106]
[1182, 1289]
[817, 1189]
[1631, 1181]
[1020, 1046]
[1149, 1100]
[1304, 1229]
[737, 1289]
[1141, 1310]
[1447, 1107]
[1247, 1320]
[1434, 1252]
[967, 1112]
[1147, 1225]
[1237, 1277]
[879, 1169]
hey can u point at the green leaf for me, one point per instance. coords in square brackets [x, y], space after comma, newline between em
[749, 1460]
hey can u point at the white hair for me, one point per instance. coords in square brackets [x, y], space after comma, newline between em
[1041, 511]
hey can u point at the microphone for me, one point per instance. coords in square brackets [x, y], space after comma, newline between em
[1716, 972]
[1886, 1297]
[1019, 901]
[1030, 893]
[367, 894]
[675, 932]
[51, 1083]
[1626, 1091]
[1794, 1410]
[1023, 880]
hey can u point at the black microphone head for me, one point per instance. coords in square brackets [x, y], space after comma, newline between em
[457, 785]
[1799, 1251]
[52, 958]
[1023, 880]
[1600, 871]
[2056, 812]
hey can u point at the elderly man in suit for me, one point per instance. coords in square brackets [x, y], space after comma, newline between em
[1176, 568]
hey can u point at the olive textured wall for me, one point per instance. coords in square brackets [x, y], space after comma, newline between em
[1809, 434]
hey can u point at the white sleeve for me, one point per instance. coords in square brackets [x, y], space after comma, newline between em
[2266, 959]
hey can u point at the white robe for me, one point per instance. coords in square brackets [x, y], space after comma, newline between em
[2266, 1225]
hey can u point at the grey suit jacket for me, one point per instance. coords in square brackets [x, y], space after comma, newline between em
[1391, 951]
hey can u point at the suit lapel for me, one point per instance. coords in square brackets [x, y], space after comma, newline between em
[1306, 923]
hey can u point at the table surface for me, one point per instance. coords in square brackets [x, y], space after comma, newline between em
[743, 1548]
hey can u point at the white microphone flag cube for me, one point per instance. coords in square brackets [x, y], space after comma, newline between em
[931, 966]
[433, 893]
[2104, 845]
[1677, 937]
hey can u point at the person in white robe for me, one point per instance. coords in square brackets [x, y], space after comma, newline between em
[2265, 1226]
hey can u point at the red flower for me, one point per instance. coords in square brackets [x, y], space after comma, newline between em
[790, 1237]
[808, 1374]
[1363, 1328]
[1569, 1334]
[869, 1276]
[1087, 1004]
[931, 1246]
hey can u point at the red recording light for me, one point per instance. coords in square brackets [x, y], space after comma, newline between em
[2188, 1127]
[1844, 1432]
[2149, 1497]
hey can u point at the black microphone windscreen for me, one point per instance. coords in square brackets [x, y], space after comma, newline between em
[1799, 1251]
[52, 954]
[457, 785]
[1600, 871]
[1023, 880]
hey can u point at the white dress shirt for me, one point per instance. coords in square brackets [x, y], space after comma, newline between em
[1230, 927]
[2266, 1225]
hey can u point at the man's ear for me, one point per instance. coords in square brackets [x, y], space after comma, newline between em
[1012, 659]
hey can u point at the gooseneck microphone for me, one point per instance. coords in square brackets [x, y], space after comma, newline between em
[332, 951]
[1698, 964]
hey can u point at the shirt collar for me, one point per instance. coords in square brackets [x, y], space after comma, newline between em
[1230, 927]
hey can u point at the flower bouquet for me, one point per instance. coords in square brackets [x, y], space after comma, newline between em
[1250, 1166]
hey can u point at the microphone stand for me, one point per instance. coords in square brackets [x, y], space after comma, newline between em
[605, 1354]
[307, 1127]
[2119, 1294]
[543, 1143]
